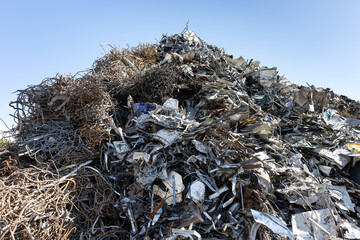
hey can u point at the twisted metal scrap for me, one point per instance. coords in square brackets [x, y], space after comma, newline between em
[63, 117]
[7, 165]
[30, 211]
[119, 65]
[95, 200]
[67, 119]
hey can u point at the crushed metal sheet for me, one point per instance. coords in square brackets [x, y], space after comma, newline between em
[197, 191]
[275, 224]
[304, 228]
[344, 200]
[167, 137]
[200, 146]
[352, 231]
[338, 156]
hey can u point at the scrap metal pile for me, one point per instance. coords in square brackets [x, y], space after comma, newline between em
[179, 140]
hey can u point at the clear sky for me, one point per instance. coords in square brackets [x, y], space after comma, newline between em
[310, 41]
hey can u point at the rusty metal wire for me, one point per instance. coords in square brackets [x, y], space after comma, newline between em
[8, 166]
[63, 118]
[63, 121]
[118, 66]
[30, 211]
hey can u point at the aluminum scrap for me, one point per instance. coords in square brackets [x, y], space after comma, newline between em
[198, 144]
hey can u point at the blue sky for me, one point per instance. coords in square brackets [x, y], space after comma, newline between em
[315, 42]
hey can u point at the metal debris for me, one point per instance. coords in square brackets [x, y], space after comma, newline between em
[181, 141]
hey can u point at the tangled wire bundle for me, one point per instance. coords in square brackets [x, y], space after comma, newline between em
[63, 118]
[32, 207]
[118, 66]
